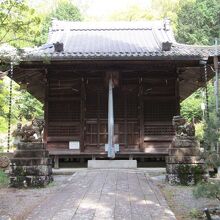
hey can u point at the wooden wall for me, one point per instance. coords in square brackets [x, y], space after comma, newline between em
[144, 105]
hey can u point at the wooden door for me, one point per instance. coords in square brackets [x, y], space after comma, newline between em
[96, 115]
[127, 129]
[126, 110]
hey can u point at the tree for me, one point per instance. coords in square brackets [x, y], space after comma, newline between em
[65, 10]
[198, 21]
[191, 107]
[18, 23]
[134, 13]
[24, 106]
[157, 10]
[27, 106]
[3, 104]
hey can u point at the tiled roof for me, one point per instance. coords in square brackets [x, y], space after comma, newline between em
[114, 40]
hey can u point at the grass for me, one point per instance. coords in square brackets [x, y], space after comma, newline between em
[51, 184]
[195, 214]
[4, 180]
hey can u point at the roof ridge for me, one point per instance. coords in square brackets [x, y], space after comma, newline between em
[118, 25]
[101, 29]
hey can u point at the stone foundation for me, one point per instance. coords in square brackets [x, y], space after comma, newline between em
[184, 164]
[31, 166]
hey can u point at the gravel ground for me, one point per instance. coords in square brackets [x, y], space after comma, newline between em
[182, 202]
[16, 204]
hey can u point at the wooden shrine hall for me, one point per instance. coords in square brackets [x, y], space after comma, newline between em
[115, 84]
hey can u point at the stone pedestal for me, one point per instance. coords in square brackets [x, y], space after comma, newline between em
[184, 164]
[31, 166]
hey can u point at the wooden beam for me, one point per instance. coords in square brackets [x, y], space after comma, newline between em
[177, 96]
[82, 116]
[98, 120]
[46, 108]
[97, 63]
[141, 114]
[125, 120]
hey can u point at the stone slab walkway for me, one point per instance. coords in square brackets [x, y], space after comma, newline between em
[105, 194]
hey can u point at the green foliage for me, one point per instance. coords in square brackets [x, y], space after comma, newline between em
[158, 9]
[65, 10]
[212, 159]
[18, 23]
[194, 21]
[191, 107]
[211, 133]
[24, 106]
[134, 13]
[208, 190]
[195, 213]
[4, 181]
[199, 130]
[183, 174]
[197, 173]
[188, 173]
[27, 106]
[198, 21]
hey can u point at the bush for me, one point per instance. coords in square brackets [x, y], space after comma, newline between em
[207, 190]
[4, 180]
[189, 174]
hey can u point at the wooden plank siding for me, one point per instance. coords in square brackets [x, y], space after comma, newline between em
[143, 110]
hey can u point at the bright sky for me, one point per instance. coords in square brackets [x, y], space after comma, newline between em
[97, 8]
[107, 7]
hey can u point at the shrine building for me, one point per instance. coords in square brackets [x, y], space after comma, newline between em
[114, 84]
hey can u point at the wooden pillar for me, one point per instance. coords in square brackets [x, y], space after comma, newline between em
[141, 114]
[111, 151]
[125, 121]
[177, 96]
[82, 116]
[46, 94]
[98, 120]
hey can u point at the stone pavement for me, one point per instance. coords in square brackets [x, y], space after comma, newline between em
[105, 194]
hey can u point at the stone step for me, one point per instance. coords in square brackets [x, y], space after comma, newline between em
[184, 159]
[38, 170]
[31, 161]
[185, 151]
[31, 153]
[112, 164]
[30, 146]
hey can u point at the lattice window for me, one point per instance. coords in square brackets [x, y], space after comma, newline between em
[64, 131]
[159, 87]
[64, 118]
[64, 111]
[159, 110]
[64, 87]
[158, 129]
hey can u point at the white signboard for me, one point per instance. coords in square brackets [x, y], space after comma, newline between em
[74, 145]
